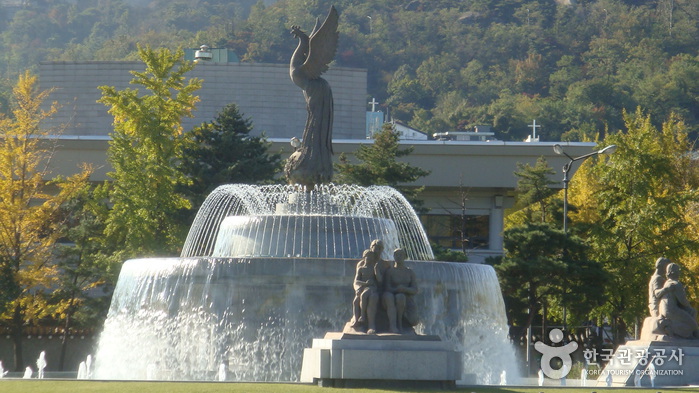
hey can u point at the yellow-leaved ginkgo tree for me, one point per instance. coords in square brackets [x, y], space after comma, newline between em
[29, 210]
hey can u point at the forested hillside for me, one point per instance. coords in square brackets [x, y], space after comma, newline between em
[437, 65]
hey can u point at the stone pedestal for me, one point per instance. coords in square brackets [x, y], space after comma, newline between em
[675, 363]
[342, 359]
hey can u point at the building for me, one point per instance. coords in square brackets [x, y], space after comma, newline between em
[470, 182]
[472, 179]
[262, 92]
[408, 133]
[374, 123]
[479, 134]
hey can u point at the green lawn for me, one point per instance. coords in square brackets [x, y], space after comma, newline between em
[62, 386]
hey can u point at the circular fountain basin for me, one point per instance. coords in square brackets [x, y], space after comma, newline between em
[310, 236]
[182, 317]
[265, 270]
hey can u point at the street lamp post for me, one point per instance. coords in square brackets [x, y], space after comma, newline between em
[558, 149]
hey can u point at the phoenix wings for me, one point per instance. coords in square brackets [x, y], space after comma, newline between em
[322, 46]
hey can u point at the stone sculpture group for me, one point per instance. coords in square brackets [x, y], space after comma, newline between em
[379, 342]
[671, 315]
[384, 293]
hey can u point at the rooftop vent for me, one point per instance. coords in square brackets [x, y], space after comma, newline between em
[203, 54]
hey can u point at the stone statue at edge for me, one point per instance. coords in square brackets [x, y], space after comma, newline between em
[672, 317]
[311, 162]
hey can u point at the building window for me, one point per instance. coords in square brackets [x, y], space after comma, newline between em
[457, 232]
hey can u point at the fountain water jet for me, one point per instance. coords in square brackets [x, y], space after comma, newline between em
[338, 217]
[248, 291]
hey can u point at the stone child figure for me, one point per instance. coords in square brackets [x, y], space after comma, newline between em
[311, 163]
[377, 247]
[366, 293]
[680, 319]
[400, 286]
[657, 280]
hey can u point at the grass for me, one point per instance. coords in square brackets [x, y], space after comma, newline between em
[62, 386]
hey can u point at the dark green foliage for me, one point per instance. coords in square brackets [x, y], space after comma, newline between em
[223, 152]
[448, 255]
[379, 166]
[88, 274]
[534, 187]
[573, 68]
[544, 265]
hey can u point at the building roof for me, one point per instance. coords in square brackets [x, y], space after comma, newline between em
[452, 163]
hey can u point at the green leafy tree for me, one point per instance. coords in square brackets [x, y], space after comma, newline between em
[379, 166]
[641, 196]
[30, 224]
[268, 28]
[407, 94]
[146, 147]
[566, 72]
[222, 152]
[85, 268]
[671, 87]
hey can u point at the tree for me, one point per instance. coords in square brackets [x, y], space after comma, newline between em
[222, 152]
[534, 187]
[543, 264]
[447, 255]
[640, 198]
[145, 149]
[84, 265]
[379, 166]
[29, 207]
[407, 94]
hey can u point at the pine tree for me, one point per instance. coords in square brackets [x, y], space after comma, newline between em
[379, 166]
[543, 265]
[85, 266]
[534, 187]
[223, 152]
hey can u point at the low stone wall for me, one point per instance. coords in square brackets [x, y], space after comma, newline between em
[77, 350]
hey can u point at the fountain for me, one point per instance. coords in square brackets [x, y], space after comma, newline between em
[265, 269]
[41, 365]
[255, 307]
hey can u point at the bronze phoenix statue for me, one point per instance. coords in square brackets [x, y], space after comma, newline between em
[311, 162]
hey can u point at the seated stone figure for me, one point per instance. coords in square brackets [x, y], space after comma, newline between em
[366, 296]
[383, 301]
[679, 317]
[382, 265]
[654, 325]
[400, 286]
[657, 280]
